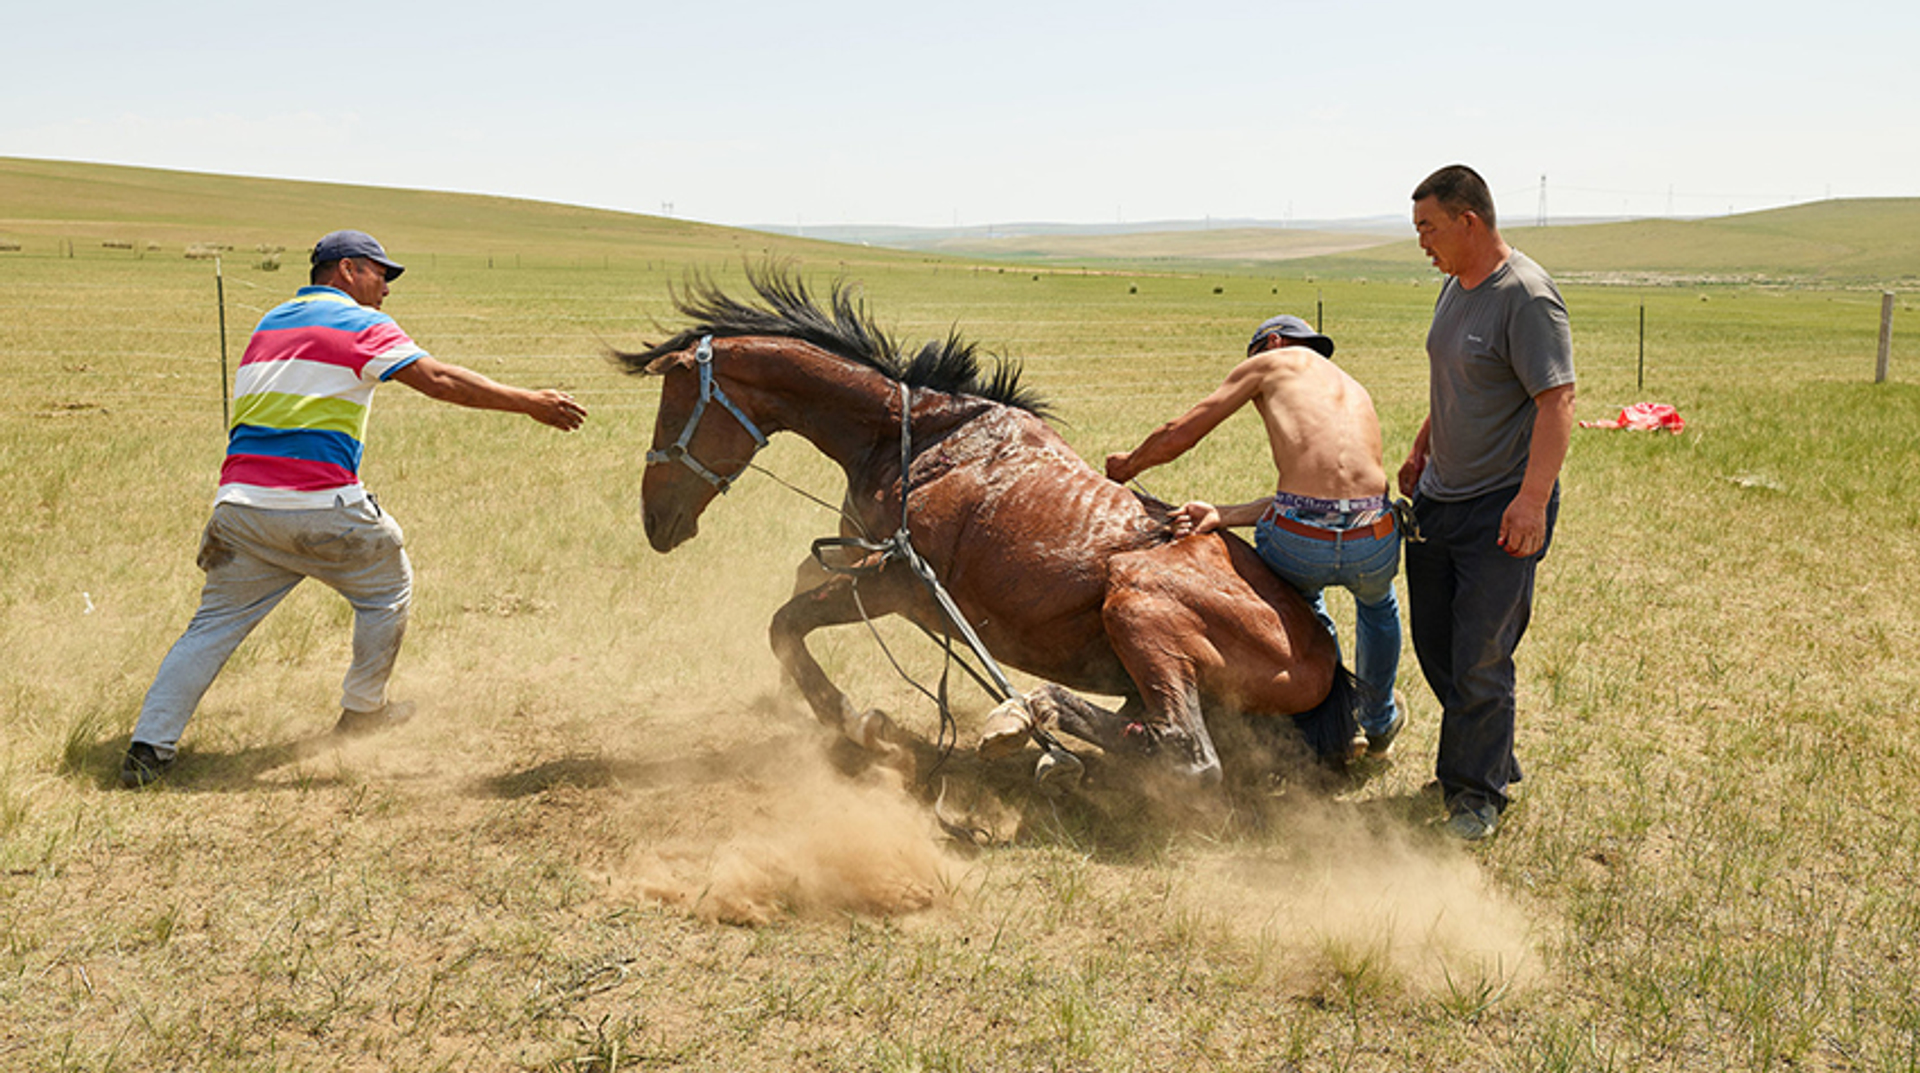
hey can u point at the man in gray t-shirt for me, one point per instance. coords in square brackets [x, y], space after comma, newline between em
[1484, 473]
[1494, 349]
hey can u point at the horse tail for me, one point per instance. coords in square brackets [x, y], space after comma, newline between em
[1329, 727]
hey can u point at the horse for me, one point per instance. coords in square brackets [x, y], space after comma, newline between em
[1059, 571]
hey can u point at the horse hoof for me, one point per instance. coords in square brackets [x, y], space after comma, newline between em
[1057, 770]
[873, 731]
[1007, 731]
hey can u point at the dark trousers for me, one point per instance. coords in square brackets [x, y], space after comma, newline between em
[1468, 604]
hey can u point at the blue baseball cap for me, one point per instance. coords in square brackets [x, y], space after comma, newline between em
[1293, 328]
[343, 244]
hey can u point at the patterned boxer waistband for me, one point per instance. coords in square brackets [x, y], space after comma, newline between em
[1329, 506]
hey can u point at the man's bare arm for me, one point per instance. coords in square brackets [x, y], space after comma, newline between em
[463, 387]
[1178, 436]
[1416, 462]
[1200, 516]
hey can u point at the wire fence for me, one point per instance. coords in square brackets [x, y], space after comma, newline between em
[93, 331]
[70, 342]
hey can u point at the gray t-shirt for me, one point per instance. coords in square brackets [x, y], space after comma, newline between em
[1490, 351]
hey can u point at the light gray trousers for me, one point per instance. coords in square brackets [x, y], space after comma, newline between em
[253, 558]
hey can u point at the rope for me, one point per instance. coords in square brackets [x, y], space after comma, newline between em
[899, 546]
[948, 737]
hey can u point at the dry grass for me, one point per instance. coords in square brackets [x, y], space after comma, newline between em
[612, 840]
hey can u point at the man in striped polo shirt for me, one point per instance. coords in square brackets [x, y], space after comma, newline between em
[290, 503]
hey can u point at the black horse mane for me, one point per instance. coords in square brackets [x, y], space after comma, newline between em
[843, 327]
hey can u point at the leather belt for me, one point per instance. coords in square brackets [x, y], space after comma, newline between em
[1373, 532]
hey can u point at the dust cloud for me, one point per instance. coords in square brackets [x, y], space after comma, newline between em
[1353, 891]
[1347, 887]
[808, 842]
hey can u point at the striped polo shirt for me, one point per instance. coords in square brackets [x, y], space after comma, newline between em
[301, 398]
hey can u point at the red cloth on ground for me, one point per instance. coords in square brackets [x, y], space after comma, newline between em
[1644, 417]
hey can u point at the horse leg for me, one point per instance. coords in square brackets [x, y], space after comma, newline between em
[1167, 724]
[809, 575]
[1129, 732]
[1163, 721]
[812, 573]
[1057, 708]
[832, 603]
[1161, 641]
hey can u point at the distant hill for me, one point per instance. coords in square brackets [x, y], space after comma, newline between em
[1855, 241]
[57, 201]
[1381, 228]
[1247, 245]
[1860, 240]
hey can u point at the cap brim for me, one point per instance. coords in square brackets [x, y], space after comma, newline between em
[1318, 343]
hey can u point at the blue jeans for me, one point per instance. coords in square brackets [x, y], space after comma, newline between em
[1364, 565]
[1470, 602]
[253, 559]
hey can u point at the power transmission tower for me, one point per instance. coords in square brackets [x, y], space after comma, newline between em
[1541, 219]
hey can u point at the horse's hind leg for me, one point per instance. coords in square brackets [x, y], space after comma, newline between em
[831, 603]
[1129, 732]
[1057, 708]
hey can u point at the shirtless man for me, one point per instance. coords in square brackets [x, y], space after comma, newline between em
[1330, 521]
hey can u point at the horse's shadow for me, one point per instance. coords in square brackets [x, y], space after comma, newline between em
[1121, 810]
[594, 771]
[1101, 816]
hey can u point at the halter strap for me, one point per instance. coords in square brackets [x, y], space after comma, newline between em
[709, 390]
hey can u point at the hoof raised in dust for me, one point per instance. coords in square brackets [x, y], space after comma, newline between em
[873, 730]
[1058, 770]
[1007, 730]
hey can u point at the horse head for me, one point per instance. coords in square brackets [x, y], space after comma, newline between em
[702, 440]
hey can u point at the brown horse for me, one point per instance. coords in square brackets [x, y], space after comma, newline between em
[1061, 572]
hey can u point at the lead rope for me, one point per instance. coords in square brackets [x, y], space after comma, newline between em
[944, 640]
[900, 546]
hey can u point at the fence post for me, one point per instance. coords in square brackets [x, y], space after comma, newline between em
[1886, 336]
[1641, 380]
[220, 291]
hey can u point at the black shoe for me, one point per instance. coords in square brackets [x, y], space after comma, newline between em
[142, 766]
[354, 724]
[1471, 821]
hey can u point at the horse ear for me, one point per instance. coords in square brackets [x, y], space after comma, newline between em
[660, 365]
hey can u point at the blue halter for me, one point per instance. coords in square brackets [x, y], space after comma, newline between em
[709, 390]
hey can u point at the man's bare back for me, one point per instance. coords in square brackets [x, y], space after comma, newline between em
[1320, 424]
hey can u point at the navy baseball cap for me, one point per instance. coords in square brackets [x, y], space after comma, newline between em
[1291, 327]
[343, 244]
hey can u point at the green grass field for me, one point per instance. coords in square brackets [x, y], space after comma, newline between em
[612, 839]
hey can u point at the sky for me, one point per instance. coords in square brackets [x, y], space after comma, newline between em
[990, 112]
